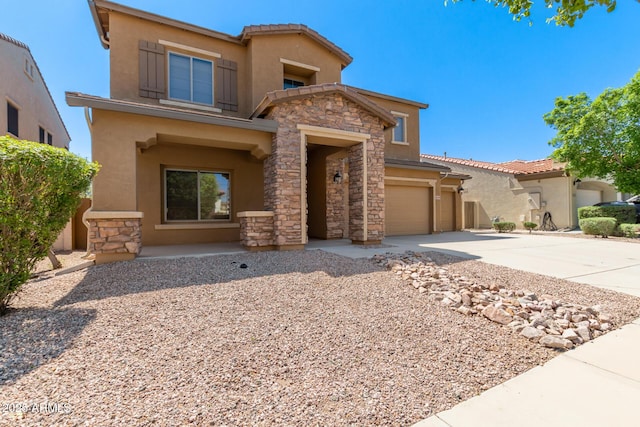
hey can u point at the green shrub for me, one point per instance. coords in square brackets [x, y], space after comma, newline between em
[629, 230]
[530, 225]
[40, 189]
[623, 214]
[504, 227]
[598, 226]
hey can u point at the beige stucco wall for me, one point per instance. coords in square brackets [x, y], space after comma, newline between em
[246, 190]
[498, 194]
[125, 32]
[265, 52]
[115, 135]
[411, 150]
[259, 67]
[556, 198]
[29, 94]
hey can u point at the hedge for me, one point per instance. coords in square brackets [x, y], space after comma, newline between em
[598, 226]
[622, 214]
[630, 230]
[40, 188]
[530, 225]
[504, 227]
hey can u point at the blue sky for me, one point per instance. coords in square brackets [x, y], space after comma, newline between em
[488, 80]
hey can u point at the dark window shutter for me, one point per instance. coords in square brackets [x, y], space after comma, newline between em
[152, 66]
[226, 79]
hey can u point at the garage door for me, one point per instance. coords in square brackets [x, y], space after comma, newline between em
[588, 197]
[448, 211]
[407, 210]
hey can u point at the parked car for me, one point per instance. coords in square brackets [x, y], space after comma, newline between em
[635, 203]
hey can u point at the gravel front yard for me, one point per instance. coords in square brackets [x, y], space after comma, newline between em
[297, 338]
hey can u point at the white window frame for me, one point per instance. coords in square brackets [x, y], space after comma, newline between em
[197, 171]
[404, 117]
[191, 58]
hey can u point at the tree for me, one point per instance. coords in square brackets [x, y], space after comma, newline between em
[600, 138]
[567, 12]
[40, 188]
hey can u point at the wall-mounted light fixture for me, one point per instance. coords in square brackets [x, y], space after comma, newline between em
[577, 181]
[337, 178]
[460, 190]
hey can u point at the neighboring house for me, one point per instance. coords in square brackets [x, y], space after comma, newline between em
[521, 191]
[27, 110]
[209, 137]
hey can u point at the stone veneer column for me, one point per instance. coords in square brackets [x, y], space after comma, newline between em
[256, 230]
[114, 236]
[335, 196]
[283, 172]
[283, 186]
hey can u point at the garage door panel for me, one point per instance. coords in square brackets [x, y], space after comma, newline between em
[407, 210]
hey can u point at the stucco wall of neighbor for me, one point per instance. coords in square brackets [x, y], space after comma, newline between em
[410, 151]
[267, 72]
[496, 194]
[283, 167]
[246, 192]
[115, 140]
[556, 198]
[29, 94]
[125, 32]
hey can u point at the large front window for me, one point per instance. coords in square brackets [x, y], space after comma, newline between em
[196, 195]
[190, 79]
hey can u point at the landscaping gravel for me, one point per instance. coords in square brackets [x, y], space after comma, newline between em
[296, 338]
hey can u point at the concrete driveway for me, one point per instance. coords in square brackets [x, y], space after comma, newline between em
[599, 262]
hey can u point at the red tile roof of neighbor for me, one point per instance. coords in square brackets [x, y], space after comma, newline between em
[516, 167]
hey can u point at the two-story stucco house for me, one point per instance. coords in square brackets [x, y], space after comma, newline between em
[27, 110]
[519, 191]
[209, 137]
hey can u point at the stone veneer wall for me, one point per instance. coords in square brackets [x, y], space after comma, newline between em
[115, 235]
[283, 174]
[335, 197]
[256, 229]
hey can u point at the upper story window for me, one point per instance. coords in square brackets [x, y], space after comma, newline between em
[290, 83]
[190, 79]
[45, 137]
[28, 68]
[12, 119]
[400, 130]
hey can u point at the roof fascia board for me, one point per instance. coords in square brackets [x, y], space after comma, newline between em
[427, 166]
[115, 7]
[539, 175]
[421, 105]
[80, 100]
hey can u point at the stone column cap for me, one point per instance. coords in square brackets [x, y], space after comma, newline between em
[249, 214]
[91, 214]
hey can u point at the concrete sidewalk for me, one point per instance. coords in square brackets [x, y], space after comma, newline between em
[594, 385]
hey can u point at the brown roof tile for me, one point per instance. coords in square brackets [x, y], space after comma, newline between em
[515, 167]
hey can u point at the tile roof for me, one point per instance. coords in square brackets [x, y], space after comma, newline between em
[13, 41]
[515, 167]
[279, 96]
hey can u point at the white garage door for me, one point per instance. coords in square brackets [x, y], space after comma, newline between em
[407, 210]
[588, 197]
